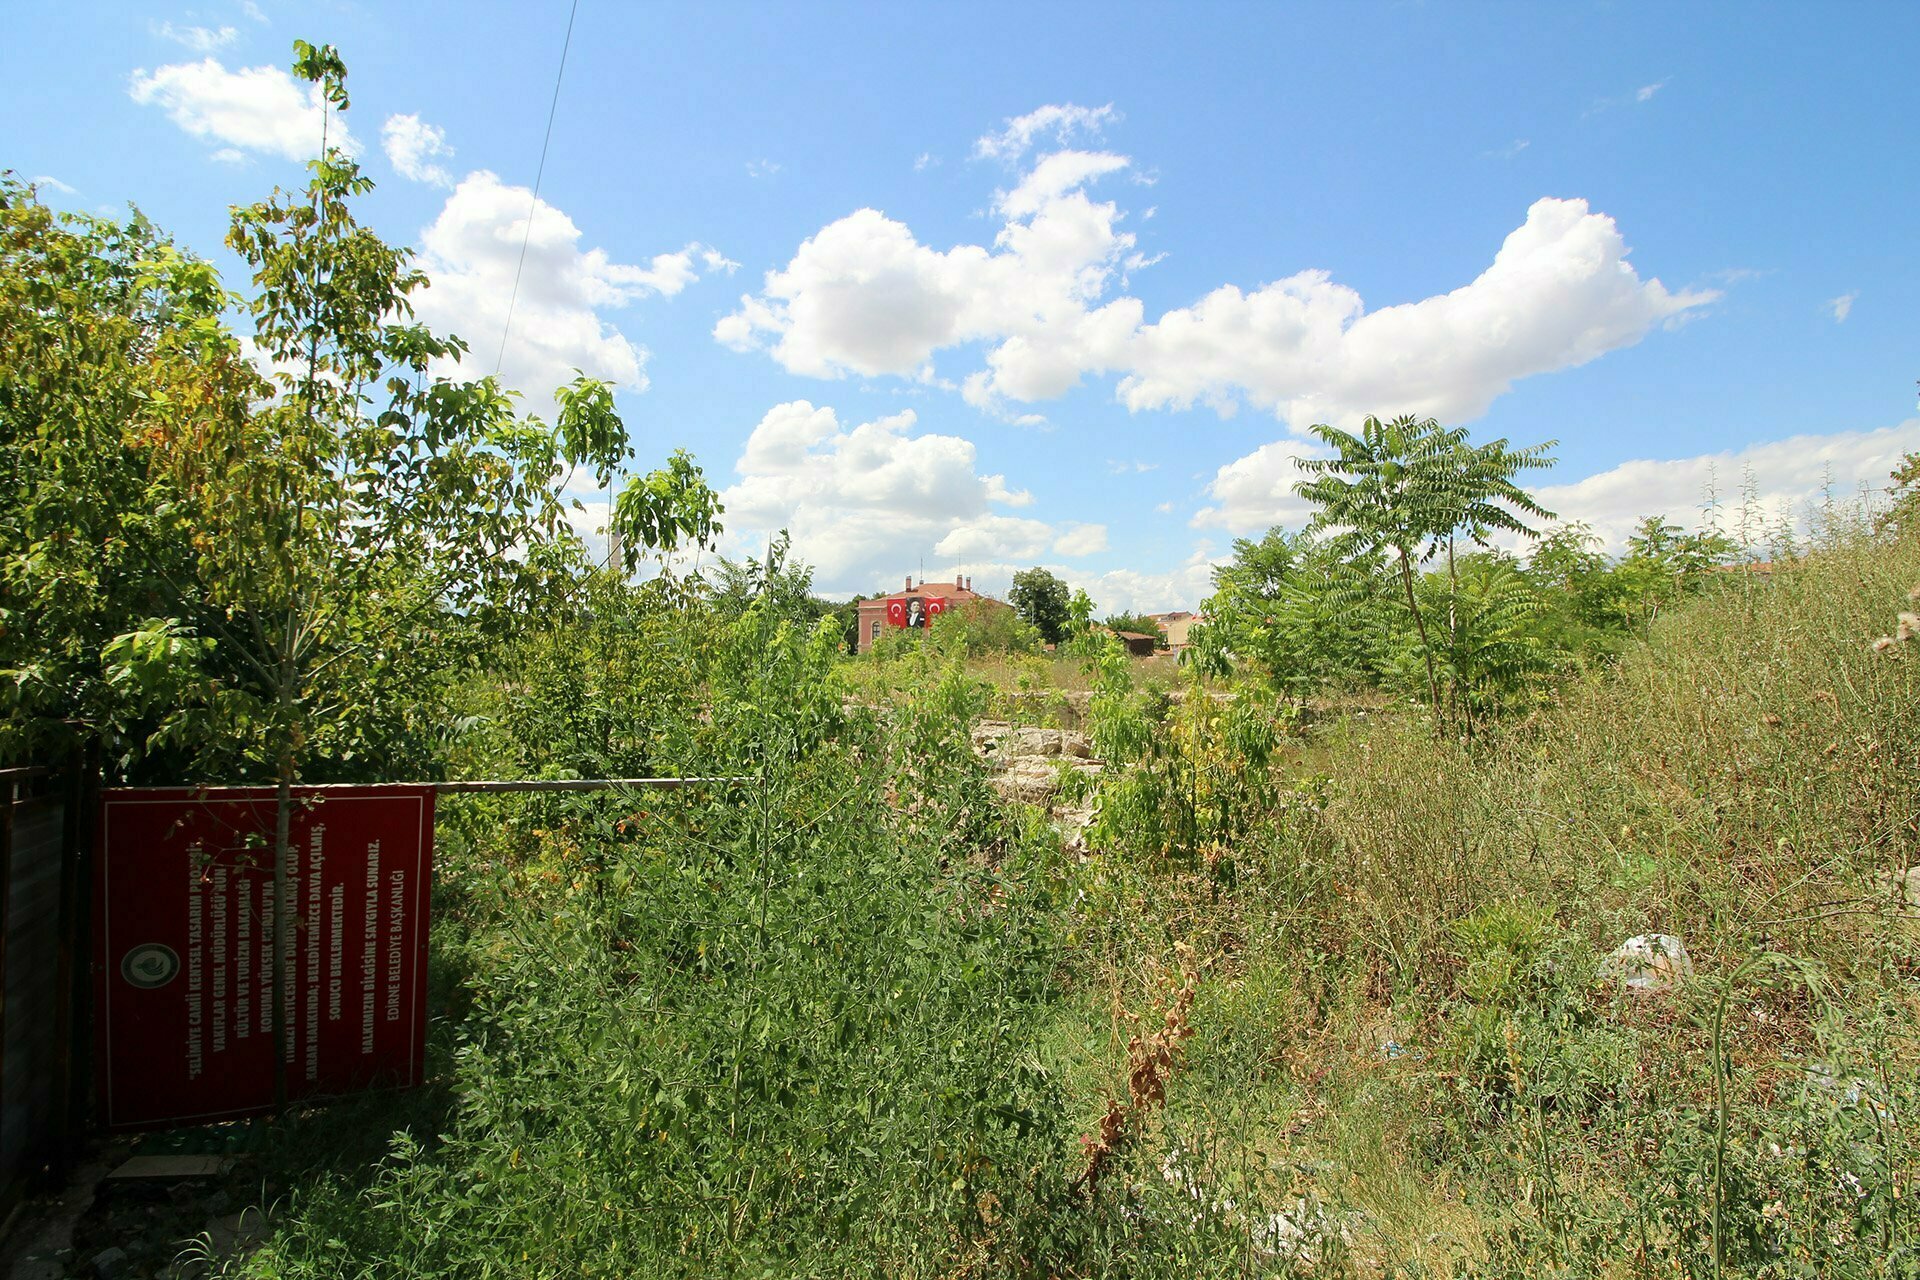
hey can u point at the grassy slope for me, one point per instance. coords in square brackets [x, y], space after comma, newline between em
[1406, 1016]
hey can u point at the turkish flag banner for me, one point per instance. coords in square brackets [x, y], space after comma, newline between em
[183, 948]
[935, 605]
[896, 613]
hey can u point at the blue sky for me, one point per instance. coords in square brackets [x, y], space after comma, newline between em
[979, 287]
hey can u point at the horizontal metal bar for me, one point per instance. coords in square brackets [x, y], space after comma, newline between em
[472, 788]
[576, 784]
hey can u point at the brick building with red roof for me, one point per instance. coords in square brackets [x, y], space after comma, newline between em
[917, 606]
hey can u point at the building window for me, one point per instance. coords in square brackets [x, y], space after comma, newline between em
[876, 629]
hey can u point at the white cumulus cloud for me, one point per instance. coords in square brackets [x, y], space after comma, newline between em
[867, 503]
[1046, 304]
[862, 295]
[1055, 176]
[1256, 492]
[198, 39]
[994, 537]
[1785, 475]
[412, 145]
[1129, 591]
[1559, 293]
[1059, 122]
[471, 251]
[1081, 540]
[253, 108]
[1842, 307]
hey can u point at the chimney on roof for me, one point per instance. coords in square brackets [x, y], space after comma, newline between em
[909, 582]
[969, 582]
[959, 583]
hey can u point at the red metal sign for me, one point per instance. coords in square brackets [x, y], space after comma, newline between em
[183, 961]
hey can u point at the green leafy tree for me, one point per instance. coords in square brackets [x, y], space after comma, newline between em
[981, 627]
[1903, 496]
[665, 512]
[1565, 555]
[1592, 602]
[1042, 600]
[1080, 610]
[609, 687]
[1409, 489]
[781, 583]
[1294, 607]
[1659, 542]
[1246, 591]
[1664, 563]
[346, 521]
[98, 319]
[319, 546]
[1497, 648]
[1582, 593]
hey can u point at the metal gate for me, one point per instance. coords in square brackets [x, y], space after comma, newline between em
[42, 923]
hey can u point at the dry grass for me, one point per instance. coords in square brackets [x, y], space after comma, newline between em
[1745, 780]
[1742, 777]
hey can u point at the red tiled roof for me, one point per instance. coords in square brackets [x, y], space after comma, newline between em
[943, 590]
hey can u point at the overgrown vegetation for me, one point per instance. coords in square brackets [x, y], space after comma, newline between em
[1395, 583]
[1331, 994]
[1338, 1005]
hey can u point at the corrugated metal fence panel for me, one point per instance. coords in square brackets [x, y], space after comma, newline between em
[32, 1107]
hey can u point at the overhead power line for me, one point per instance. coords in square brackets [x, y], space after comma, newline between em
[534, 205]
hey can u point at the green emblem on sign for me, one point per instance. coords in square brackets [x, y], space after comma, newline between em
[149, 965]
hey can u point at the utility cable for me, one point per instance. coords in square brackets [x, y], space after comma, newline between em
[538, 174]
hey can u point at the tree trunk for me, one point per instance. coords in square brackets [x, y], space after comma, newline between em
[1453, 627]
[1426, 648]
